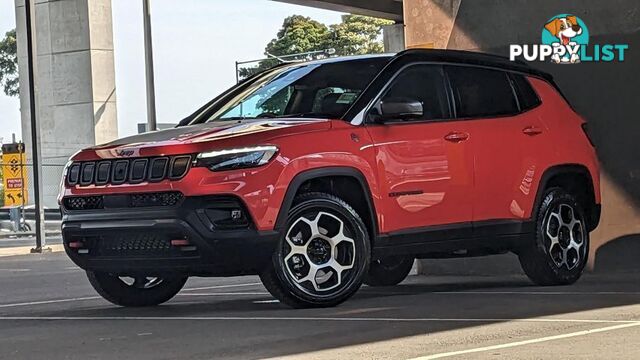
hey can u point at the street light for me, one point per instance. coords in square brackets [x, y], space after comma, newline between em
[148, 58]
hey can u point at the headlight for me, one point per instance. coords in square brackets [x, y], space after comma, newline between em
[230, 159]
[65, 170]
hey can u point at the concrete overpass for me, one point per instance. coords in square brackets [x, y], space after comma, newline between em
[77, 100]
[386, 9]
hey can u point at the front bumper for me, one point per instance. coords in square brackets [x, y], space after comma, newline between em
[139, 240]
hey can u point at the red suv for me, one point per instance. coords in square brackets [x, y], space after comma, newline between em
[320, 176]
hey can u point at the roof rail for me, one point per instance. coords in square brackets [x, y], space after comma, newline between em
[473, 58]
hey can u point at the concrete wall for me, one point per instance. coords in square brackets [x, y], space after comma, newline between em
[604, 93]
[75, 81]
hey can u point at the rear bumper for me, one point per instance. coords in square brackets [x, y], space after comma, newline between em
[130, 241]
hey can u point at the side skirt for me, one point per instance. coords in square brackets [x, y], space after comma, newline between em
[457, 240]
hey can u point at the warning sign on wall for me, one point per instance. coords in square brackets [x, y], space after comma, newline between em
[14, 174]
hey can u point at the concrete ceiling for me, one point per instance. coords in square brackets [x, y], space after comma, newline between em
[386, 9]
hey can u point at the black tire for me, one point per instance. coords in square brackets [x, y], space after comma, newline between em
[389, 271]
[292, 289]
[556, 262]
[117, 291]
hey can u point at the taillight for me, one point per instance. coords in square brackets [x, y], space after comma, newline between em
[585, 128]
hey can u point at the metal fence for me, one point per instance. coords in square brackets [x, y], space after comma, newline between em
[51, 176]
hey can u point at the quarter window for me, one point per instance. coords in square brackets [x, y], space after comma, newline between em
[480, 92]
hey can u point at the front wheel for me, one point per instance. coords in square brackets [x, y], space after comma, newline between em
[135, 291]
[323, 256]
[559, 253]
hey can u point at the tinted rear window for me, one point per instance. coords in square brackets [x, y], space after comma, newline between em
[527, 97]
[480, 92]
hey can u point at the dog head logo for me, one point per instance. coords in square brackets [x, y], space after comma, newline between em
[565, 33]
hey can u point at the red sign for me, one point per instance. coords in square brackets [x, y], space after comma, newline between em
[14, 183]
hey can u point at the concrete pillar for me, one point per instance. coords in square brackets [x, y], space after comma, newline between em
[393, 38]
[75, 81]
[492, 25]
[429, 24]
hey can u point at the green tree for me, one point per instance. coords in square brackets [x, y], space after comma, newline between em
[9, 64]
[355, 35]
[298, 34]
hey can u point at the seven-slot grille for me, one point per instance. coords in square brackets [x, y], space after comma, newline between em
[130, 171]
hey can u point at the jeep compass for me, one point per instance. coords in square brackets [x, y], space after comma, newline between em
[325, 175]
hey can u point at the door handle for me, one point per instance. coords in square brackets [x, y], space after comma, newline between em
[532, 130]
[456, 137]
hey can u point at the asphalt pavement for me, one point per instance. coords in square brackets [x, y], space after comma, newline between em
[49, 311]
[8, 241]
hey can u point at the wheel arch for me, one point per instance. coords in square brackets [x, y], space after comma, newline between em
[366, 208]
[576, 179]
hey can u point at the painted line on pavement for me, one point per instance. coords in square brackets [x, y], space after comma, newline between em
[43, 302]
[528, 342]
[55, 301]
[538, 292]
[221, 286]
[320, 319]
[16, 270]
[225, 294]
[273, 301]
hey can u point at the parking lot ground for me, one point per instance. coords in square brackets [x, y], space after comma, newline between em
[8, 242]
[49, 311]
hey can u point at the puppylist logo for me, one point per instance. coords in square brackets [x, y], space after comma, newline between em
[565, 40]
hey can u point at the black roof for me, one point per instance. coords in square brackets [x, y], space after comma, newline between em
[443, 56]
[472, 58]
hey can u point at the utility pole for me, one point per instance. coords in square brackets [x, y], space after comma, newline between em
[148, 57]
[35, 129]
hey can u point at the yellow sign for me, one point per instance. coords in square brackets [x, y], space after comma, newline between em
[14, 175]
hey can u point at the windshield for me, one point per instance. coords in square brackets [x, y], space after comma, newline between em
[306, 90]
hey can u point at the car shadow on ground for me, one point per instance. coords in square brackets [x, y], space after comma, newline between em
[421, 305]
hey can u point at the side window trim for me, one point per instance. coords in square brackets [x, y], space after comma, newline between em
[453, 111]
[450, 94]
[516, 96]
[519, 95]
[389, 83]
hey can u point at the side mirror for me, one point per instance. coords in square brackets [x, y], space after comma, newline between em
[397, 109]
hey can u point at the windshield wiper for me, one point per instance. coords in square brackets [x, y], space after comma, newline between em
[306, 114]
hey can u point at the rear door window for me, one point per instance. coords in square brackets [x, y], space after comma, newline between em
[480, 92]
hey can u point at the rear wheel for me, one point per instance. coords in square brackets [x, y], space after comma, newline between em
[389, 271]
[323, 256]
[136, 290]
[561, 246]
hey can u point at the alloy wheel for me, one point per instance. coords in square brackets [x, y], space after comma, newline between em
[565, 234]
[319, 253]
[141, 282]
